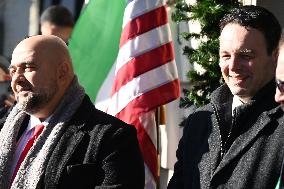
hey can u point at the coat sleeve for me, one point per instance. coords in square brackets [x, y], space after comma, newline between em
[177, 181]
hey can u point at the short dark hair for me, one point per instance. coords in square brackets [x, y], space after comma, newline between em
[57, 15]
[258, 18]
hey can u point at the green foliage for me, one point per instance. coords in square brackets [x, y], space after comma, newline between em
[208, 13]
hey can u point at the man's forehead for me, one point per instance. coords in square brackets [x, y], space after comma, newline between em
[280, 68]
[20, 56]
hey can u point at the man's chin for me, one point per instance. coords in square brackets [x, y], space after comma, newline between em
[238, 91]
[28, 110]
[26, 105]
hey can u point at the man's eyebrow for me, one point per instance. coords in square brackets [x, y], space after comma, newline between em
[246, 51]
[23, 63]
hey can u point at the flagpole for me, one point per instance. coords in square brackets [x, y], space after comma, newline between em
[158, 121]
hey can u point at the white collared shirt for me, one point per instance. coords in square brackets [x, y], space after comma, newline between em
[236, 102]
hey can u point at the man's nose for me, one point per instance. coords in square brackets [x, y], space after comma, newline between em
[234, 63]
[279, 97]
[18, 75]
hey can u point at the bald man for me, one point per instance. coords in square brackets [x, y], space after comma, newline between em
[76, 145]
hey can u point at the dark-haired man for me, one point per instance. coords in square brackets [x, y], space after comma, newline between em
[236, 141]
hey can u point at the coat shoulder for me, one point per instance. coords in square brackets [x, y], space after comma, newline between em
[94, 119]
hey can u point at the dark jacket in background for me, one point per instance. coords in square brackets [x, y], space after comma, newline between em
[4, 111]
[221, 151]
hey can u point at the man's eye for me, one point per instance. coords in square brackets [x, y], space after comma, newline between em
[29, 68]
[225, 57]
[247, 56]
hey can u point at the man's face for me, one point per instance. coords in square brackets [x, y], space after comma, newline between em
[245, 65]
[47, 28]
[34, 80]
[279, 96]
[50, 29]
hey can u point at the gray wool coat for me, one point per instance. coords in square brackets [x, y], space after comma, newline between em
[240, 152]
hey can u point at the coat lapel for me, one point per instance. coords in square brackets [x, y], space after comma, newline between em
[243, 141]
[67, 145]
[62, 153]
[214, 142]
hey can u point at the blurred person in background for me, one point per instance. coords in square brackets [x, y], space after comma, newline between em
[57, 20]
[7, 98]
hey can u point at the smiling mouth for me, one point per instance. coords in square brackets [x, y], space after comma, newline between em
[23, 92]
[23, 89]
[237, 79]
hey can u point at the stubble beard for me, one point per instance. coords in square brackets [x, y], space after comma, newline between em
[34, 102]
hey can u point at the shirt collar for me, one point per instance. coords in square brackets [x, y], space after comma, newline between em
[236, 102]
[34, 121]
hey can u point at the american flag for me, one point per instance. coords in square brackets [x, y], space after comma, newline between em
[145, 75]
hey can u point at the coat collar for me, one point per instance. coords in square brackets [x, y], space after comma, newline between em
[73, 135]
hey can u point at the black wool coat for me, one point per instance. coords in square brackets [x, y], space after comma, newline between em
[243, 151]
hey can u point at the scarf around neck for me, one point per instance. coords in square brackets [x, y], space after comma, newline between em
[33, 166]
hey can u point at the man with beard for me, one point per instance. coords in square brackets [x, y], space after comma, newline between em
[236, 141]
[279, 95]
[74, 144]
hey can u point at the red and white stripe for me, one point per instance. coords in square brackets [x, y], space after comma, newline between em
[145, 74]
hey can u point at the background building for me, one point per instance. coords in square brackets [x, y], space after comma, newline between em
[19, 19]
